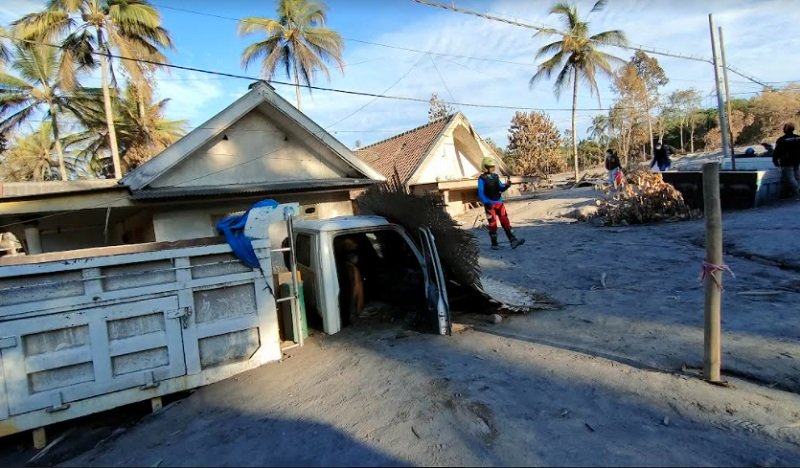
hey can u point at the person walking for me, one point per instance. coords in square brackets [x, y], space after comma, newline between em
[661, 155]
[614, 168]
[490, 192]
[787, 156]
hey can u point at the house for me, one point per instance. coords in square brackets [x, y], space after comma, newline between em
[258, 147]
[442, 157]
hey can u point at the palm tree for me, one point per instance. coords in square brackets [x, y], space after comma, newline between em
[598, 130]
[30, 157]
[577, 56]
[5, 50]
[298, 41]
[142, 135]
[38, 87]
[131, 28]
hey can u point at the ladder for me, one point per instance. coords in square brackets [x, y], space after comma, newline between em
[294, 293]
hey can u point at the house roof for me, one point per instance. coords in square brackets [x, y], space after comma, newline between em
[10, 190]
[260, 94]
[314, 185]
[404, 152]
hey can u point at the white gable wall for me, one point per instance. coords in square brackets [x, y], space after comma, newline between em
[255, 152]
[447, 163]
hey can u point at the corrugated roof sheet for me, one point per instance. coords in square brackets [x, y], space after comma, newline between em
[274, 187]
[404, 152]
[27, 189]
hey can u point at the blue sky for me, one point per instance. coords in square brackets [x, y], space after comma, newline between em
[753, 38]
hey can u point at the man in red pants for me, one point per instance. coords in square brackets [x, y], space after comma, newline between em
[490, 191]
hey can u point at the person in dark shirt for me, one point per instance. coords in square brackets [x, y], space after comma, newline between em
[787, 156]
[661, 155]
[490, 191]
[613, 167]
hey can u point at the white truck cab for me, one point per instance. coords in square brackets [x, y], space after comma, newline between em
[395, 269]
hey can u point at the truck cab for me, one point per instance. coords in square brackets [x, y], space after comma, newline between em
[380, 260]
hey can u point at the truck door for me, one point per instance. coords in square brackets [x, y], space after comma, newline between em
[438, 304]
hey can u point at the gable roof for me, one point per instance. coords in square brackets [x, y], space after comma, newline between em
[404, 152]
[260, 93]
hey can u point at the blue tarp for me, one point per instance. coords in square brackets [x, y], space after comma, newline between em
[232, 228]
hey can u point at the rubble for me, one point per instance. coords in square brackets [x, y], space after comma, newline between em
[645, 198]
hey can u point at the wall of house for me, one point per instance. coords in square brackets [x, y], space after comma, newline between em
[255, 151]
[447, 163]
[193, 222]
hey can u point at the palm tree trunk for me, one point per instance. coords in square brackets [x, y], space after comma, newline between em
[691, 137]
[297, 86]
[574, 132]
[680, 127]
[62, 168]
[112, 134]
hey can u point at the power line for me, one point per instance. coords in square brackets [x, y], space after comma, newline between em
[551, 30]
[318, 88]
[441, 78]
[375, 98]
[361, 41]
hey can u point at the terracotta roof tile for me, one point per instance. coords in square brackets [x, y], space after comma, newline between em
[405, 151]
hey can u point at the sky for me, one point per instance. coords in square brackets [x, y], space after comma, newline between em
[482, 61]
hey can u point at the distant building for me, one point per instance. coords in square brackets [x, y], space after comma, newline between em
[443, 157]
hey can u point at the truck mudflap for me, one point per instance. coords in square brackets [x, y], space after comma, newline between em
[436, 285]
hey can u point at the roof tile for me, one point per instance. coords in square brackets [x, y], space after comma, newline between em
[404, 152]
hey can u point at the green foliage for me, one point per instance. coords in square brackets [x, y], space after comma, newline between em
[591, 153]
[298, 42]
[30, 157]
[576, 56]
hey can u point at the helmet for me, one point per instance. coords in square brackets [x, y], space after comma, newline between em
[750, 152]
[488, 162]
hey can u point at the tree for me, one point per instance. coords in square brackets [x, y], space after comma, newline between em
[771, 109]
[141, 136]
[38, 87]
[578, 56]
[129, 28]
[5, 48]
[626, 116]
[495, 147]
[652, 75]
[30, 157]
[685, 102]
[298, 41]
[438, 108]
[738, 121]
[598, 130]
[534, 144]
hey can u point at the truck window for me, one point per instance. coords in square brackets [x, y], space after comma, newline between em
[302, 249]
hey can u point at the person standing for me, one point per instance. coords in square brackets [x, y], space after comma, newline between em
[787, 156]
[490, 192]
[613, 167]
[661, 158]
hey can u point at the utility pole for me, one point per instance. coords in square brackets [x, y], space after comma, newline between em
[727, 98]
[723, 120]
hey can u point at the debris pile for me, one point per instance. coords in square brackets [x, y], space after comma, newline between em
[645, 198]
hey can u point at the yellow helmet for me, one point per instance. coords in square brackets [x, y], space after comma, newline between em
[488, 162]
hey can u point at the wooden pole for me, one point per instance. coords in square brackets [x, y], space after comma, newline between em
[727, 97]
[713, 279]
[723, 120]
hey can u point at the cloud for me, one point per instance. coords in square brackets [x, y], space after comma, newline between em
[195, 97]
[11, 10]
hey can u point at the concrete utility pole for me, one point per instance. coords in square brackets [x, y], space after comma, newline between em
[713, 270]
[723, 120]
[727, 98]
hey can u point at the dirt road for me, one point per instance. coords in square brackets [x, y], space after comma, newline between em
[596, 383]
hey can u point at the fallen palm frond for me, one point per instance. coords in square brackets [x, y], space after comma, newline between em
[645, 198]
[458, 248]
